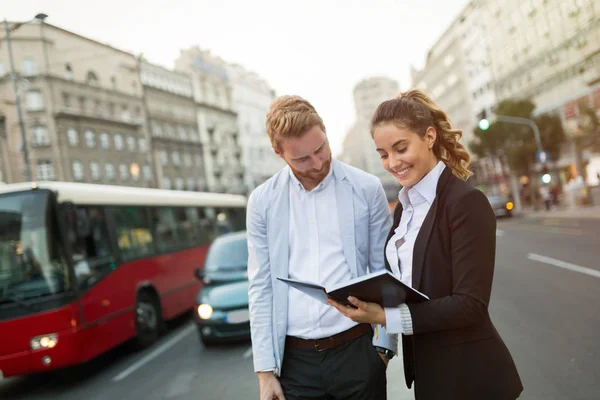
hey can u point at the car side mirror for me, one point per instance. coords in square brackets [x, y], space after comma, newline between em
[199, 274]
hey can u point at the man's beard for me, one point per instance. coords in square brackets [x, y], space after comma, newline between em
[312, 175]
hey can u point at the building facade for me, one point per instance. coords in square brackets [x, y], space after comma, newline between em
[252, 98]
[175, 140]
[444, 78]
[216, 118]
[358, 147]
[82, 109]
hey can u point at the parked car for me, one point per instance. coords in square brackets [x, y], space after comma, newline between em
[222, 304]
[502, 206]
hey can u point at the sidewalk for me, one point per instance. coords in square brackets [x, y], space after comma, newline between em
[590, 212]
[396, 386]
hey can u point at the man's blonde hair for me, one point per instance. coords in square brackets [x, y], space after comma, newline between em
[290, 117]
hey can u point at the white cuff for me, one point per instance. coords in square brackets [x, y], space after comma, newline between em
[398, 320]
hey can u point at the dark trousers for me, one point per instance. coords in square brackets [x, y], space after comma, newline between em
[350, 371]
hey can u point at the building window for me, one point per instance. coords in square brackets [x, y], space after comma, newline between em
[90, 139]
[104, 140]
[198, 159]
[77, 171]
[28, 67]
[45, 170]
[176, 158]
[113, 82]
[95, 170]
[181, 132]
[125, 114]
[39, 136]
[123, 172]
[68, 72]
[167, 183]
[143, 145]
[179, 185]
[187, 160]
[164, 158]
[131, 143]
[156, 129]
[147, 172]
[92, 79]
[191, 184]
[73, 136]
[109, 171]
[119, 142]
[34, 100]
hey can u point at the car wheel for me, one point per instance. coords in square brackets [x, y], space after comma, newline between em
[147, 319]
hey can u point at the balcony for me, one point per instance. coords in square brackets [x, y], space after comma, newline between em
[98, 116]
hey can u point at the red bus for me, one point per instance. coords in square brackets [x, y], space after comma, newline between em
[84, 268]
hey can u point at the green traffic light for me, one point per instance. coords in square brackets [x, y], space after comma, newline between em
[484, 124]
[546, 178]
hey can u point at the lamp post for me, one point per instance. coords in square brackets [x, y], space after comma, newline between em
[13, 77]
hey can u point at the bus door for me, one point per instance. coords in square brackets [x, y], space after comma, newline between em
[94, 257]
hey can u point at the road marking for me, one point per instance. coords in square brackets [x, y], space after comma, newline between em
[563, 264]
[248, 353]
[159, 350]
[499, 232]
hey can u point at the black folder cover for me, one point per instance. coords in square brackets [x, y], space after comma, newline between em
[380, 287]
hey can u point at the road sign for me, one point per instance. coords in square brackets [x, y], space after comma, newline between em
[542, 156]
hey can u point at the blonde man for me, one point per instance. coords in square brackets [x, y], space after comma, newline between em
[319, 220]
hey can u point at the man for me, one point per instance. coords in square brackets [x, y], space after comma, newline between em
[322, 221]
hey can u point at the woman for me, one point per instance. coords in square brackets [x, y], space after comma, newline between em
[443, 244]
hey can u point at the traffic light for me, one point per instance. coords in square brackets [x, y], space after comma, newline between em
[546, 177]
[484, 123]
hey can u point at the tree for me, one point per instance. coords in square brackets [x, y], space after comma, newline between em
[517, 142]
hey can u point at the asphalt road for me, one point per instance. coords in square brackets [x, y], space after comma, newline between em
[545, 304]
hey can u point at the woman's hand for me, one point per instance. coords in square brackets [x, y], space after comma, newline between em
[370, 313]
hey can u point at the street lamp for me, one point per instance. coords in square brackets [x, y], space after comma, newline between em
[13, 77]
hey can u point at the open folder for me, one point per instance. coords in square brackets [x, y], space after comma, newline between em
[380, 287]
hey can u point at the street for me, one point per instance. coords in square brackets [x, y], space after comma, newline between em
[545, 304]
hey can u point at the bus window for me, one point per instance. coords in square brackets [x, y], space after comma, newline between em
[187, 222]
[93, 256]
[237, 218]
[208, 223]
[133, 232]
[165, 227]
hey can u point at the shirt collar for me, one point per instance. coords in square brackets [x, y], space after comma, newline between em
[322, 185]
[426, 187]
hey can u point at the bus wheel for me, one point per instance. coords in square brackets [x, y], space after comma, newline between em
[147, 319]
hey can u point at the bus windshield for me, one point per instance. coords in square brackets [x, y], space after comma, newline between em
[32, 264]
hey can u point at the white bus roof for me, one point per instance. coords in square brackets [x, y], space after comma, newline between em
[86, 193]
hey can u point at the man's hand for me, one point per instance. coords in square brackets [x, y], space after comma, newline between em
[370, 313]
[270, 388]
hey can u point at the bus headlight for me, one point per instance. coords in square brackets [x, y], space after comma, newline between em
[205, 311]
[48, 341]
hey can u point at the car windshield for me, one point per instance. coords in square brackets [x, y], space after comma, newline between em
[227, 254]
[31, 263]
[495, 199]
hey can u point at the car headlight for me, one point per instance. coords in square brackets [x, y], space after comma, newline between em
[48, 341]
[509, 205]
[205, 311]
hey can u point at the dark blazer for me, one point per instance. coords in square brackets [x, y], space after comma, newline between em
[455, 351]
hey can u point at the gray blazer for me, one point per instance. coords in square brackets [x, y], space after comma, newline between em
[364, 219]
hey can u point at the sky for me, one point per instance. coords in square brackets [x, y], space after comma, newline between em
[318, 49]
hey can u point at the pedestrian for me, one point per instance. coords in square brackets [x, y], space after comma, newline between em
[319, 220]
[442, 243]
